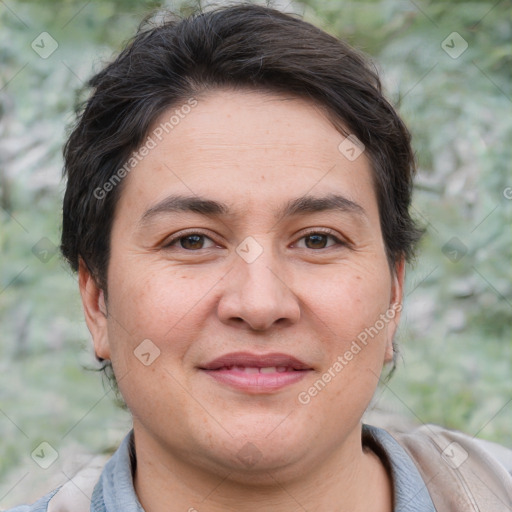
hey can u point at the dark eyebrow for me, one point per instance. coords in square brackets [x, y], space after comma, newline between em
[185, 204]
[309, 204]
[208, 207]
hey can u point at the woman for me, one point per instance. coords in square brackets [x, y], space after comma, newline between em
[237, 211]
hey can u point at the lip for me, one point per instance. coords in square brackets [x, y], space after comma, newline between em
[242, 371]
[256, 361]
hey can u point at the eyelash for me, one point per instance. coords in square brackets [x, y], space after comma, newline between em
[318, 231]
[169, 243]
[324, 231]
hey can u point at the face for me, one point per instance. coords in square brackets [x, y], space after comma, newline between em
[251, 306]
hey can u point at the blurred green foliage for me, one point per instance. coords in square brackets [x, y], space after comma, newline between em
[455, 339]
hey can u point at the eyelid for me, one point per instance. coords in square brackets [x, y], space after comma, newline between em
[172, 239]
[324, 231]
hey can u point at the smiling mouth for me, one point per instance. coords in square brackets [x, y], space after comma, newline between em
[257, 369]
[256, 374]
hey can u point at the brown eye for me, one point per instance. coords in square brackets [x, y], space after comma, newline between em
[319, 240]
[316, 241]
[192, 242]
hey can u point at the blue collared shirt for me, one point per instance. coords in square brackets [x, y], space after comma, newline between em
[114, 491]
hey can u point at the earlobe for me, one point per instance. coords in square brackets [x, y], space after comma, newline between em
[395, 307]
[95, 310]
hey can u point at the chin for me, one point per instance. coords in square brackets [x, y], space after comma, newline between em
[257, 451]
[260, 467]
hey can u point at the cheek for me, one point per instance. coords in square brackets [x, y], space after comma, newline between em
[155, 299]
[153, 319]
[347, 321]
[349, 301]
[347, 315]
[168, 306]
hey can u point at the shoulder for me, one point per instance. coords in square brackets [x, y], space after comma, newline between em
[460, 471]
[73, 496]
[87, 491]
[39, 506]
[455, 447]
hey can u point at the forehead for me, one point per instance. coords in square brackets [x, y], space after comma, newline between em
[247, 149]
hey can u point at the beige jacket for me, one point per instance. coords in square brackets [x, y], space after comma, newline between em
[462, 474]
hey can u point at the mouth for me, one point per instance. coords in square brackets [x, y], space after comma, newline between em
[253, 373]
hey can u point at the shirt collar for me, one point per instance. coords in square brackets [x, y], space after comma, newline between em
[410, 491]
[114, 490]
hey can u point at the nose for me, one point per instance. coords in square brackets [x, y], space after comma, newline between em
[257, 296]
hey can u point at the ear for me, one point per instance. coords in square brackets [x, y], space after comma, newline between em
[394, 311]
[95, 310]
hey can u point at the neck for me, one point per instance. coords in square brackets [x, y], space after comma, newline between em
[339, 481]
